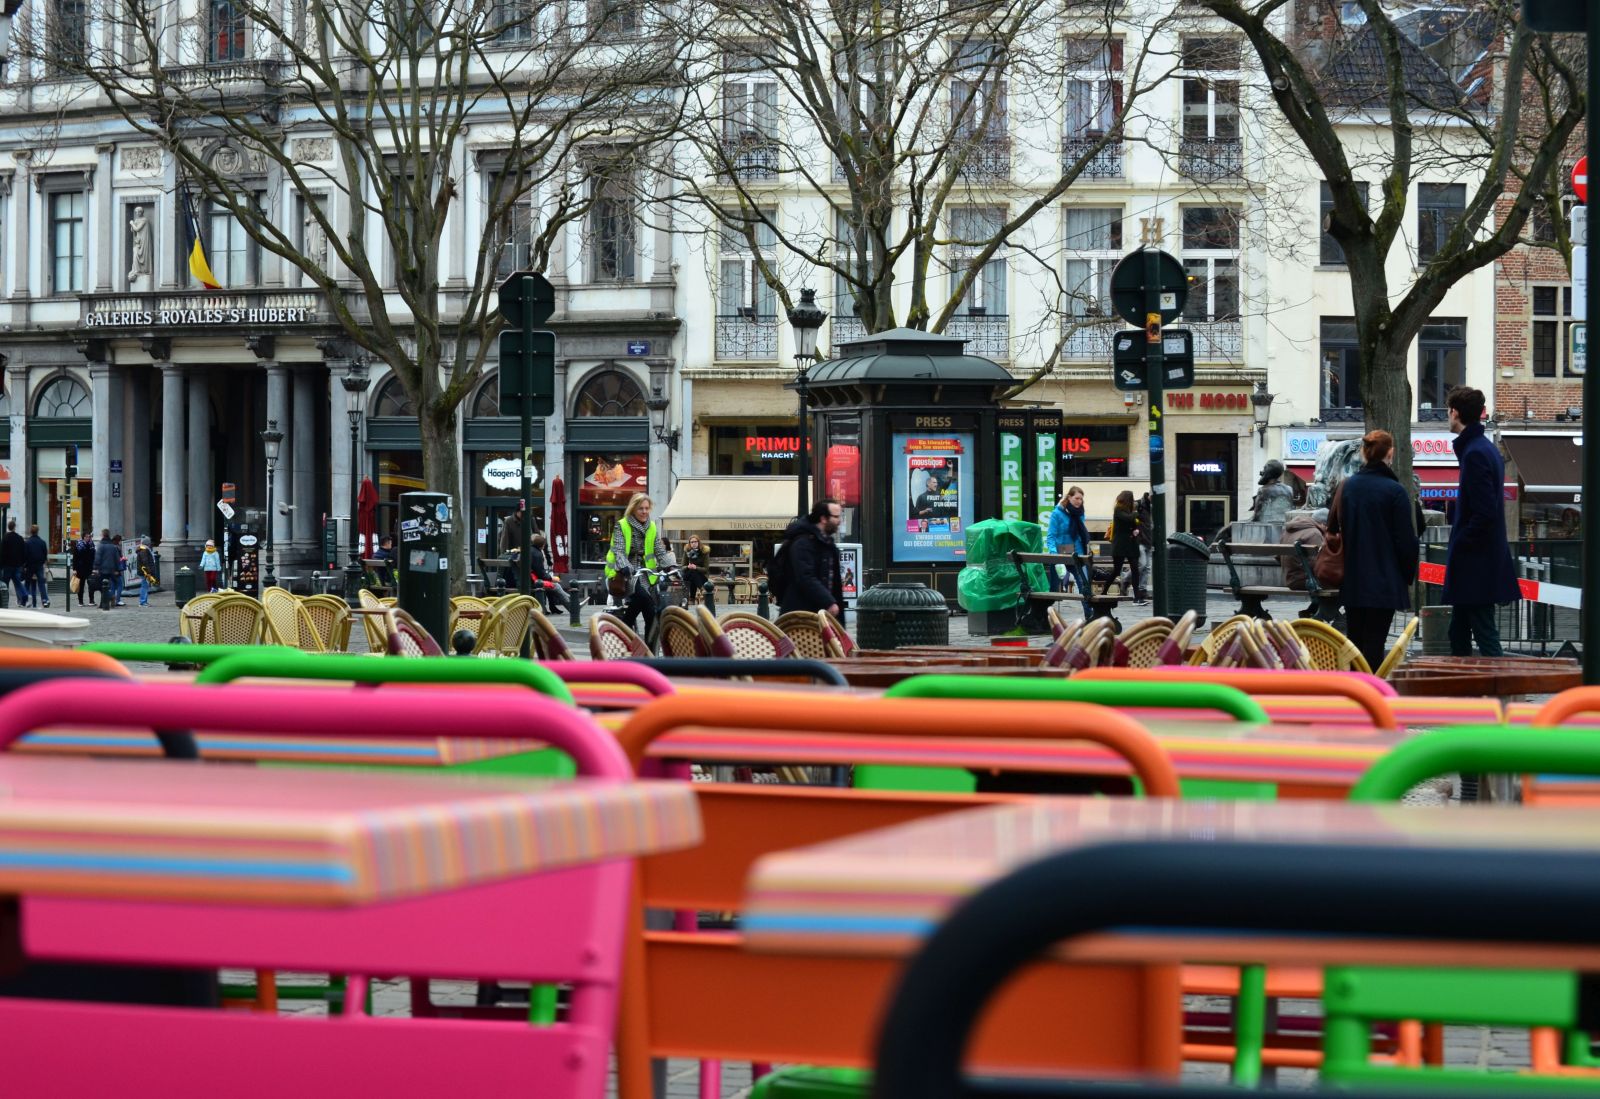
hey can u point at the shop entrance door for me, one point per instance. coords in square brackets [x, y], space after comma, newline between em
[1208, 485]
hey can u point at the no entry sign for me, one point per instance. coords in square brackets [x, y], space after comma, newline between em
[1580, 179]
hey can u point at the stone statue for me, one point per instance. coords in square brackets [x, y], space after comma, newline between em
[1336, 462]
[1272, 502]
[139, 251]
[316, 241]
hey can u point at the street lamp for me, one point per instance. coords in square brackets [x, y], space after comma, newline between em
[355, 391]
[271, 440]
[657, 404]
[805, 318]
[1261, 410]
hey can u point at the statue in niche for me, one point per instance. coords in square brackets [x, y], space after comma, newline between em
[316, 241]
[139, 251]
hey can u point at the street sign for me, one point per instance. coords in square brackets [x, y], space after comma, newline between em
[527, 354]
[1580, 263]
[1128, 288]
[1580, 179]
[1555, 16]
[1130, 369]
[531, 288]
[116, 465]
[226, 509]
[1578, 349]
[637, 348]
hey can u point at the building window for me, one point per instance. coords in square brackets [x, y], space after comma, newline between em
[487, 402]
[1439, 207]
[972, 228]
[610, 393]
[749, 103]
[1332, 254]
[392, 400]
[506, 194]
[512, 20]
[229, 248]
[226, 40]
[978, 93]
[1341, 371]
[611, 228]
[1441, 366]
[1094, 86]
[768, 449]
[856, 254]
[68, 241]
[1211, 260]
[64, 398]
[69, 35]
[1209, 148]
[747, 307]
[616, 18]
[1094, 245]
[1552, 325]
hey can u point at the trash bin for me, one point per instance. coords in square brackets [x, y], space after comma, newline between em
[1435, 629]
[1187, 557]
[889, 616]
[183, 585]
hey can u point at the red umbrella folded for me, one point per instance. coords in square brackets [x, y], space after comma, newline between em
[367, 515]
[558, 526]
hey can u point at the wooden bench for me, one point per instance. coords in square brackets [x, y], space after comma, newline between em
[1324, 603]
[1100, 604]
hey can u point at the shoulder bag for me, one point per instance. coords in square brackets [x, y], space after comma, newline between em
[1329, 565]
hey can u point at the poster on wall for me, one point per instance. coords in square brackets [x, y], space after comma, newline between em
[933, 496]
[1046, 485]
[842, 482]
[609, 479]
[850, 571]
[1010, 475]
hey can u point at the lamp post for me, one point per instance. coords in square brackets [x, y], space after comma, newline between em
[1261, 410]
[805, 318]
[271, 440]
[355, 390]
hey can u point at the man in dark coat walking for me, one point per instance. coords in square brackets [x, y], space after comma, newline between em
[107, 564]
[14, 562]
[38, 554]
[1478, 570]
[813, 583]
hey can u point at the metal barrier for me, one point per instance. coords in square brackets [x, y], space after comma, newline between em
[1532, 628]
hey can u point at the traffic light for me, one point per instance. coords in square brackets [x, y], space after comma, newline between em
[527, 353]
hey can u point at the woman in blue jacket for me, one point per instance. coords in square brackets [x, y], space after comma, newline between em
[1068, 533]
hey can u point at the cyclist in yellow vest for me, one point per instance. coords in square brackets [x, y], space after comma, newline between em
[636, 542]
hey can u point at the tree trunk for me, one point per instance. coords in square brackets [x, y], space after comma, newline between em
[441, 472]
[1388, 399]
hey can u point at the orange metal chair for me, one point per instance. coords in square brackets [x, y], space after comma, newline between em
[61, 658]
[1357, 690]
[689, 994]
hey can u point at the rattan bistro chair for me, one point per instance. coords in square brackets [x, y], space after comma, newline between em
[1397, 655]
[811, 633]
[754, 638]
[680, 634]
[611, 639]
[330, 617]
[233, 619]
[375, 626]
[287, 622]
[548, 644]
[1331, 651]
[193, 613]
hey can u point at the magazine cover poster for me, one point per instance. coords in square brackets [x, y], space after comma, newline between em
[933, 496]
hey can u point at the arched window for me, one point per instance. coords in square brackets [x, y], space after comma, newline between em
[487, 402]
[62, 398]
[392, 400]
[610, 393]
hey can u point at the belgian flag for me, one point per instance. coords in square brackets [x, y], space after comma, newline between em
[198, 266]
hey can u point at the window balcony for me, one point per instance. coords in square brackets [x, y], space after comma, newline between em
[746, 337]
[1215, 341]
[1091, 343]
[1343, 415]
[986, 158]
[1211, 158]
[1430, 413]
[987, 334]
[751, 157]
[255, 75]
[1106, 164]
[845, 330]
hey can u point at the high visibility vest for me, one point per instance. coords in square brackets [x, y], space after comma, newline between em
[627, 547]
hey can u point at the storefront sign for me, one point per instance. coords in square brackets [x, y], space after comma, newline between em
[501, 473]
[168, 318]
[1207, 467]
[774, 446]
[1229, 401]
[1427, 447]
[933, 495]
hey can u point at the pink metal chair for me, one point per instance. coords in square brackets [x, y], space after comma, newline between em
[564, 924]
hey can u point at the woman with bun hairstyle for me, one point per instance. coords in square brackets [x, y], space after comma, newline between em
[1376, 516]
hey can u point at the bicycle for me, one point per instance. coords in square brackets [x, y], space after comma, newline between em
[652, 584]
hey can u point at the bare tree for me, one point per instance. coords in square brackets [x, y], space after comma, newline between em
[1348, 87]
[899, 121]
[360, 117]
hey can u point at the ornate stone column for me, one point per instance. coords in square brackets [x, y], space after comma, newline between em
[174, 512]
[100, 402]
[302, 490]
[278, 409]
[198, 520]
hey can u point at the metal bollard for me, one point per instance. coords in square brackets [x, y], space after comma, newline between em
[763, 607]
[574, 595]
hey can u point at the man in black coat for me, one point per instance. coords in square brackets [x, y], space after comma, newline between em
[14, 562]
[1478, 570]
[38, 556]
[814, 582]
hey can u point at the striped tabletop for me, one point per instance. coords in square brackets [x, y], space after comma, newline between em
[1523, 713]
[188, 831]
[883, 891]
[1330, 756]
[1411, 712]
[247, 748]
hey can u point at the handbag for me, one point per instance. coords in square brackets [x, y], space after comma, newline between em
[74, 584]
[1329, 565]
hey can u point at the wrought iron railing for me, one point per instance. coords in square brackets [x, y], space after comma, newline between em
[987, 334]
[1105, 164]
[1092, 343]
[1216, 341]
[985, 158]
[751, 158]
[846, 330]
[747, 338]
[1210, 158]
[1428, 415]
[1343, 415]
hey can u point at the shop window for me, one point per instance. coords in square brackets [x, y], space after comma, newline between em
[610, 393]
[1552, 325]
[605, 483]
[392, 400]
[1441, 366]
[1341, 371]
[63, 398]
[1093, 450]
